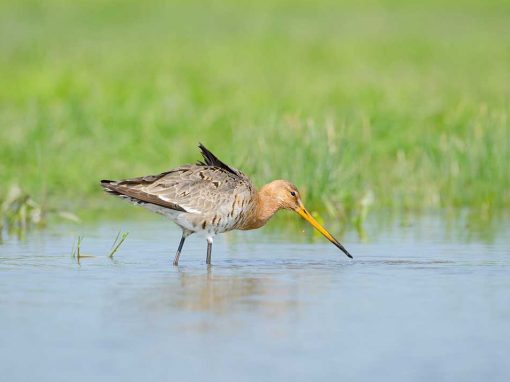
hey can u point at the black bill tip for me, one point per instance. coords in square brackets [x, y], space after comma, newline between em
[342, 248]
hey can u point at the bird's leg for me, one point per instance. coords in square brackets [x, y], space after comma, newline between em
[209, 249]
[178, 254]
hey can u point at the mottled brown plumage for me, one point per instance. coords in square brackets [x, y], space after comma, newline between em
[211, 197]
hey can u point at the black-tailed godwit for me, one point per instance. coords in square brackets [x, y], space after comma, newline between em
[211, 197]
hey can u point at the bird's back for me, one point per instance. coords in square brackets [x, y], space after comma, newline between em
[208, 196]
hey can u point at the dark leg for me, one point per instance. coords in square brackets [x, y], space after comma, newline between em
[209, 249]
[178, 254]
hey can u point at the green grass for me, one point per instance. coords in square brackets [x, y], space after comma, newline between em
[19, 213]
[405, 102]
[117, 243]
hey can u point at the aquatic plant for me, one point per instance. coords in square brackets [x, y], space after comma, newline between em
[19, 212]
[76, 251]
[117, 243]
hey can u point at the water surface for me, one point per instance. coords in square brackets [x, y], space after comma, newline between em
[417, 303]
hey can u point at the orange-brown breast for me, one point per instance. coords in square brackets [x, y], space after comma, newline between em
[264, 206]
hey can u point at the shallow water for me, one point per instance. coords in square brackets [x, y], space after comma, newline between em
[417, 303]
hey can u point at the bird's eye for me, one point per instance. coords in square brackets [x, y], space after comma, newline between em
[293, 193]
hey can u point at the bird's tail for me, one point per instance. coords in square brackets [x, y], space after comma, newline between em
[109, 186]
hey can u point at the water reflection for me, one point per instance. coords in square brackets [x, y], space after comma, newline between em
[219, 293]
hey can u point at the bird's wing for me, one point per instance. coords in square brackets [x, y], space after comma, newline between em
[197, 189]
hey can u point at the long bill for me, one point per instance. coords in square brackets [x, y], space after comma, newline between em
[301, 210]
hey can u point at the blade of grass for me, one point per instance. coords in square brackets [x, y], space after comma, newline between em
[78, 247]
[117, 243]
[75, 251]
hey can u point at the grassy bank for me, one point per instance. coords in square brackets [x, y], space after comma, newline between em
[406, 105]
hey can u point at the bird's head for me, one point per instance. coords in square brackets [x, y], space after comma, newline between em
[287, 196]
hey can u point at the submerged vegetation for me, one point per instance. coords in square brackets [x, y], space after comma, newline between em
[391, 104]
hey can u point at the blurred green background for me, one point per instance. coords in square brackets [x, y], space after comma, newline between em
[401, 105]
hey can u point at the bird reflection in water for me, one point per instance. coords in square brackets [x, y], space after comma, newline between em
[196, 296]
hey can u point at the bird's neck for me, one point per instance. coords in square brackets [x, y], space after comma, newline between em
[265, 206]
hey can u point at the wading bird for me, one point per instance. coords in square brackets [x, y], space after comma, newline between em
[211, 197]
